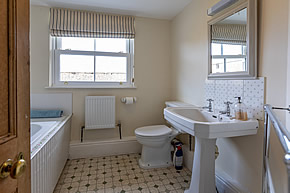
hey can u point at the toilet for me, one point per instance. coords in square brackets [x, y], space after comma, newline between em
[156, 142]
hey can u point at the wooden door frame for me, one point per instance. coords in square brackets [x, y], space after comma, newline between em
[23, 88]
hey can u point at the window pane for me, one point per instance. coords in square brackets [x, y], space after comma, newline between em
[111, 69]
[244, 50]
[218, 65]
[111, 45]
[232, 49]
[76, 68]
[73, 43]
[216, 49]
[236, 64]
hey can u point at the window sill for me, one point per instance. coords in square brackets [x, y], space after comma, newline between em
[91, 87]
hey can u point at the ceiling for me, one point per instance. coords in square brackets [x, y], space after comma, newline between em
[159, 9]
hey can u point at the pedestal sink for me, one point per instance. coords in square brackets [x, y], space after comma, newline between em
[206, 127]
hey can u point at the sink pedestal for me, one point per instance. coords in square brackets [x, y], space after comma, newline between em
[203, 171]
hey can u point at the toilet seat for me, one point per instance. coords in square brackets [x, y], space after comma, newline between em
[153, 131]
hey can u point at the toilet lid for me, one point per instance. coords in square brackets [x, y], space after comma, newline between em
[155, 130]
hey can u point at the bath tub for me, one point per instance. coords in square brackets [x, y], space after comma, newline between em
[49, 151]
[39, 128]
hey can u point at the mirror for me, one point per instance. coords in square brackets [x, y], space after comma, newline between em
[229, 44]
[232, 44]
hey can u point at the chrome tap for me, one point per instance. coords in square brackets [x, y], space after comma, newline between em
[228, 109]
[209, 107]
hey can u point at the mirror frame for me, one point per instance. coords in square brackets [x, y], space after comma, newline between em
[251, 64]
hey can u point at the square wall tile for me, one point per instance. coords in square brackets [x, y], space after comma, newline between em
[209, 90]
[255, 107]
[235, 89]
[221, 91]
[254, 88]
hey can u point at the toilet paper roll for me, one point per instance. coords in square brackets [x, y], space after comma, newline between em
[129, 100]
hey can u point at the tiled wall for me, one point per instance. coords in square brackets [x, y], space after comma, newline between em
[251, 91]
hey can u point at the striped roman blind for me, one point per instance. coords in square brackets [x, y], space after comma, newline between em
[229, 34]
[75, 23]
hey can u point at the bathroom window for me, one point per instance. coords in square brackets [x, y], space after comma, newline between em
[92, 62]
[228, 57]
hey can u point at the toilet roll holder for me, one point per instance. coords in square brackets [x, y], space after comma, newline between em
[124, 99]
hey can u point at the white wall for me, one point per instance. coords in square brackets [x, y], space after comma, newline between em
[240, 157]
[152, 76]
[189, 53]
[273, 55]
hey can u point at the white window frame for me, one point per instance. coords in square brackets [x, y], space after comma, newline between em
[55, 67]
[225, 57]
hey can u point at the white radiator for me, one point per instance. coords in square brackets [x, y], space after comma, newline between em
[100, 112]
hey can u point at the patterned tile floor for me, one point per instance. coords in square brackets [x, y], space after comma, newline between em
[120, 174]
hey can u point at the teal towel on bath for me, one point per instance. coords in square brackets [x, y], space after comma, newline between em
[45, 113]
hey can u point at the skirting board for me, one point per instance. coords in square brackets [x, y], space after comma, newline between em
[104, 148]
[224, 184]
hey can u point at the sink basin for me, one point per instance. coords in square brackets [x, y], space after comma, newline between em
[203, 124]
[206, 127]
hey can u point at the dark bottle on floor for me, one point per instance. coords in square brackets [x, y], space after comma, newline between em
[178, 157]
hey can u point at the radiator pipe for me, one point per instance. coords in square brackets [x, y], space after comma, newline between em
[82, 133]
[190, 142]
[120, 128]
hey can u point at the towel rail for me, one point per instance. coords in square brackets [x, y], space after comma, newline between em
[281, 108]
[284, 138]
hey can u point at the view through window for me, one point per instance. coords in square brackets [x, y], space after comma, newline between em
[228, 57]
[93, 60]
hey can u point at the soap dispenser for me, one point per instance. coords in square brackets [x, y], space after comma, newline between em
[240, 110]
